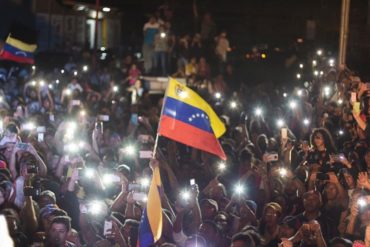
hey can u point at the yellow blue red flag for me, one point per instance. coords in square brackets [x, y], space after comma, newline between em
[189, 119]
[150, 229]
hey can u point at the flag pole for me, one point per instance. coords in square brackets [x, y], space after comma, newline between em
[157, 135]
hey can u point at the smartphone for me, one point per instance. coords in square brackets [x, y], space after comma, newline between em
[356, 107]
[338, 157]
[41, 129]
[271, 157]
[40, 137]
[22, 146]
[146, 154]
[76, 102]
[192, 182]
[104, 118]
[133, 187]
[322, 176]
[143, 138]
[108, 227]
[284, 133]
[139, 196]
[353, 96]
[51, 118]
[134, 119]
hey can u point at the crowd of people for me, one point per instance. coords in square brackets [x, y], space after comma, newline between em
[76, 150]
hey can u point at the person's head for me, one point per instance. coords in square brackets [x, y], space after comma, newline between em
[46, 197]
[130, 228]
[209, 208]
[242, 239]
[245, 160]
[195, 240]
[271, 214]
[58, 231]
[287, 227]
[210, 231]
[222, 220]
[152, 19]
[217, 192]
[331, 191]
[346, 179]
[312, 201]
[321, 138]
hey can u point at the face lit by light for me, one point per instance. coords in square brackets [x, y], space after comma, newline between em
[218, 95]
[280, 123]
[258, 112]
[306, 121]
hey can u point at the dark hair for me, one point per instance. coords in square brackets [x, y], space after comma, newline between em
[328, 140]
[65, 220]
[343, 241]
[215, 227]
[245, 237]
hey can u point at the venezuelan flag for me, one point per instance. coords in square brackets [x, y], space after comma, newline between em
[189, 119]
[20, 45]
[150, 229]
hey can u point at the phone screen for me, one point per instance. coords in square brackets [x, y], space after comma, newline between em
[134, 119]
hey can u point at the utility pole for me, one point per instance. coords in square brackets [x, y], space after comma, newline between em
[97, 8]
[343, 38]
